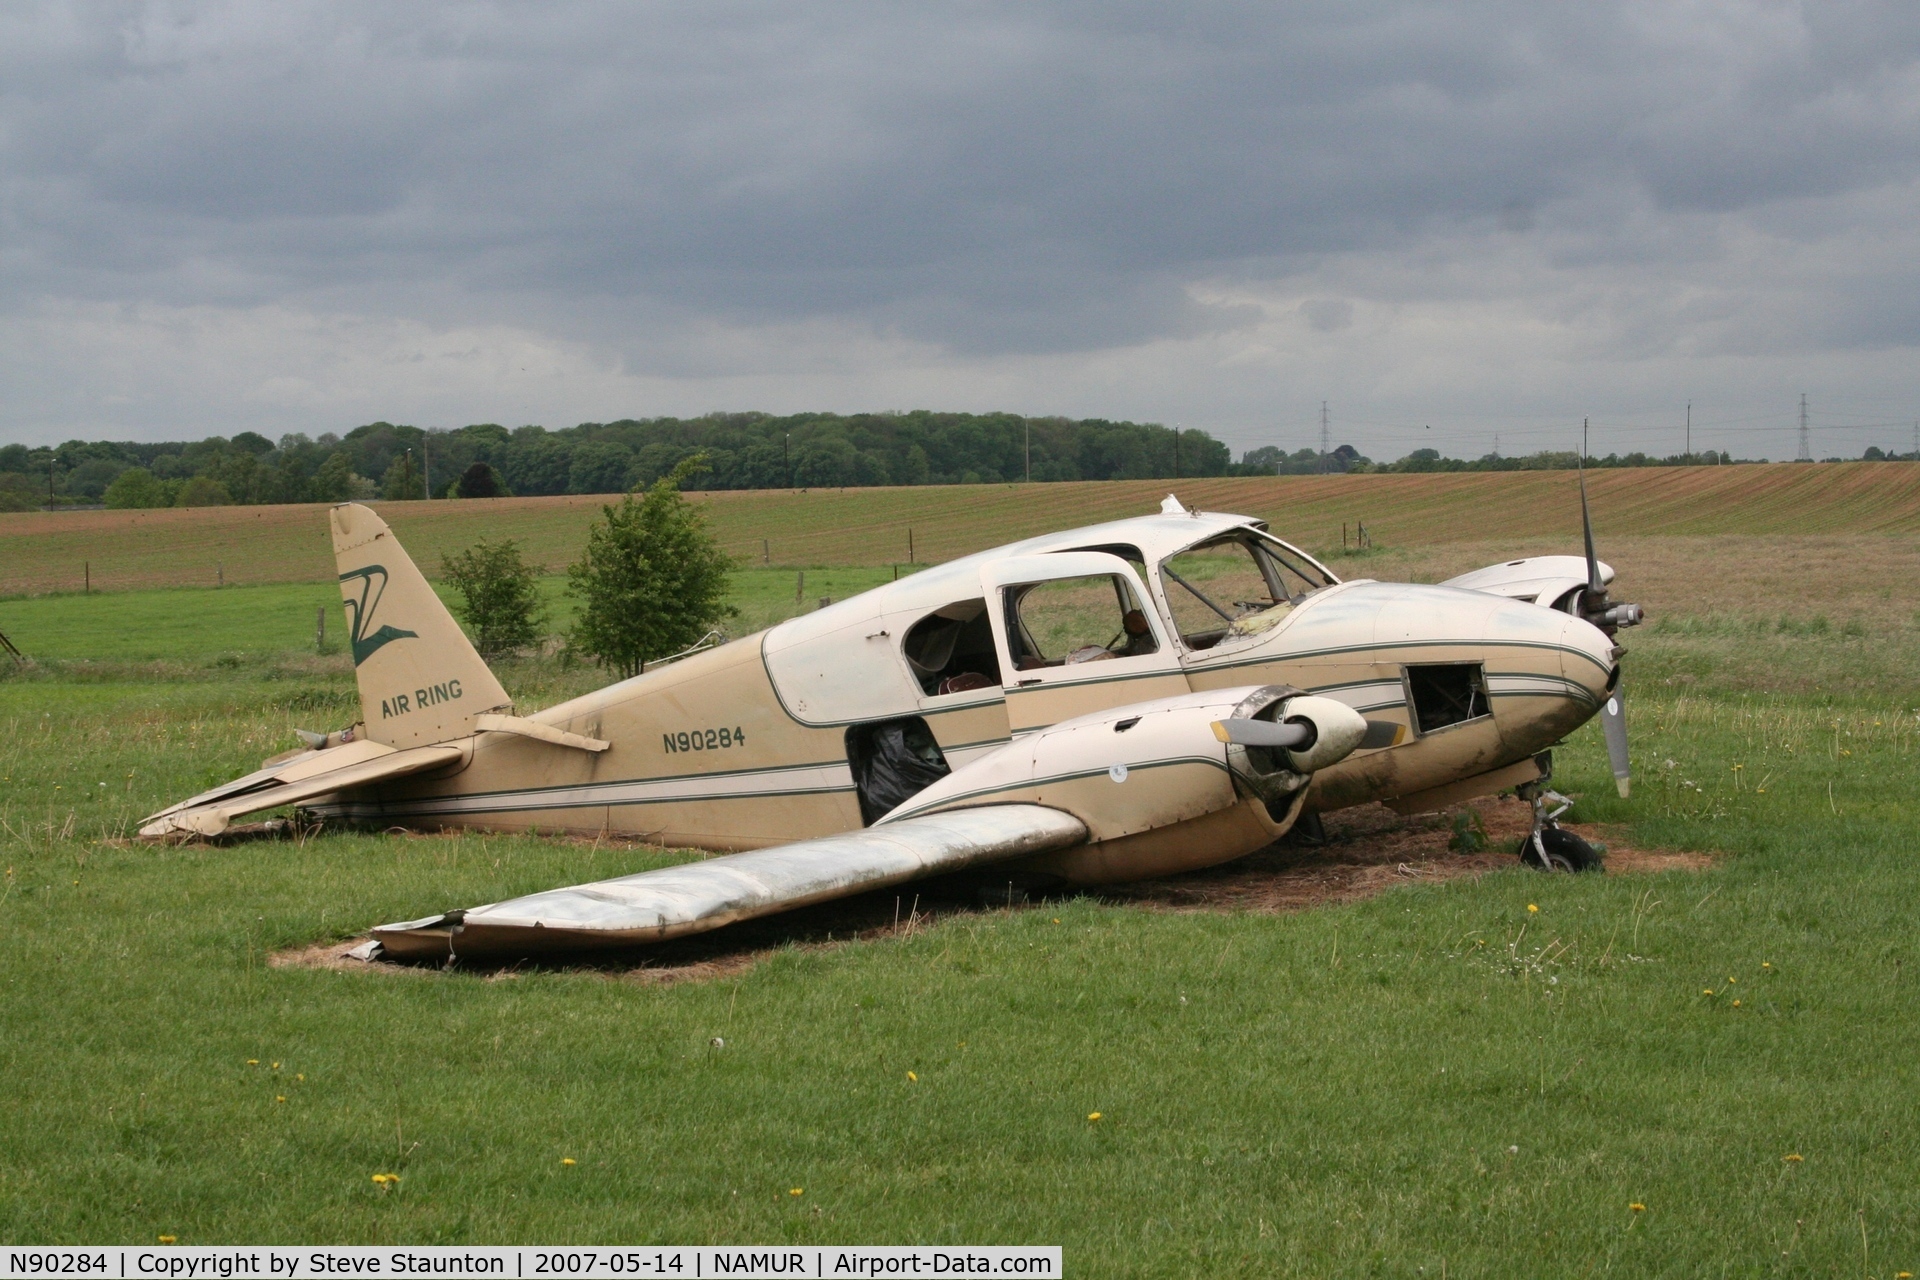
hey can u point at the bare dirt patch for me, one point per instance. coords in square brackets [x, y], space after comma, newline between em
[1367, 851]
[1371, 849]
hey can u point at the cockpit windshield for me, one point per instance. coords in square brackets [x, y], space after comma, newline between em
[1239, 585]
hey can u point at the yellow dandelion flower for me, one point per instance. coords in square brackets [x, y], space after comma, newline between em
[1533, 909]
[1902, 1275]
[280, 1097]
[914, 1078]
[379, 1179]
[253, 1062]
[276, 1066]
[1093, 1115]
[1766, 964]
[1706, 991]
[1730, 979]
[1637, 1207]
[1056, 919]
[302, 1076]
[1794, 1158]
[169, 1239]
[568, 1161]
[1736, 1004]
[797, 1191]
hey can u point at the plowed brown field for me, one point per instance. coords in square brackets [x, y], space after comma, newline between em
[51, 551]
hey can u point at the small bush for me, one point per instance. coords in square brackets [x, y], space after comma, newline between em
[653, 579]
[499, 596]
[138, 487]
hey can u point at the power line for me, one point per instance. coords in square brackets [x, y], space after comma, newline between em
[1806, 447]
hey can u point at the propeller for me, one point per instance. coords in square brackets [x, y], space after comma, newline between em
[1290, 735]
[1592, 604]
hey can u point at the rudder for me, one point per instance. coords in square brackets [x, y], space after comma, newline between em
[421, 681]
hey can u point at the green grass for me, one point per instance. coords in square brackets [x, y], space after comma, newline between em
[217, 630]
[1433, 1078]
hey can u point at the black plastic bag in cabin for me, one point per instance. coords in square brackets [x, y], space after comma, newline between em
[893, 762]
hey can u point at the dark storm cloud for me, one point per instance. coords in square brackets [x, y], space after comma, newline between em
[1010, 178]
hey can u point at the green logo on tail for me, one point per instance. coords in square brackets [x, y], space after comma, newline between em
[373, 584]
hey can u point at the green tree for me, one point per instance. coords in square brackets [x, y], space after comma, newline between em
[653, 580]
[481, 481]
[499, 596]
[403, 481]
[333, 482]
[138, 487]
[203, 491]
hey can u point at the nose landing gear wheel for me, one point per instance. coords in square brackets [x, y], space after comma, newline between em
[1547, 847]
[1552, 849]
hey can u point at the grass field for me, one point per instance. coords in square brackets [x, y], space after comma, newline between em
[1437, 1080]
[52, 551]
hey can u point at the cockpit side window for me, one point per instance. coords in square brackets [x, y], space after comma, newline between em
[1068, 621]
[1231, 586]
[951, 649]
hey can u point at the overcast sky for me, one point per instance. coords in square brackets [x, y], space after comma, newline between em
[1446, 220]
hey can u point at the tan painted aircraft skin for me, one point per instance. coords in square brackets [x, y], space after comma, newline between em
[752, 744]
[777, 779]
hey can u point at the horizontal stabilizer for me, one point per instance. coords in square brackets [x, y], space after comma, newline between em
[671, 902]
[534, 729]
[305, 777]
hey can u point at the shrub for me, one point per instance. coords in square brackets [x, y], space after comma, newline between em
[652, 581]
[138, 487]
[499, 596]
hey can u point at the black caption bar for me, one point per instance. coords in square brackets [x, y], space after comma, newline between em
[691, 1262]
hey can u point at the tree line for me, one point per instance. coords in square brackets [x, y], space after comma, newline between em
[742, 451]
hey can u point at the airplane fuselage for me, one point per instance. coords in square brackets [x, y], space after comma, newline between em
[755, 743]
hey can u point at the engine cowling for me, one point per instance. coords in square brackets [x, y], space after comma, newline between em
[1161, 786]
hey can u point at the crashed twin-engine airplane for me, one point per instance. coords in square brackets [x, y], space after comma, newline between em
[1119, 702]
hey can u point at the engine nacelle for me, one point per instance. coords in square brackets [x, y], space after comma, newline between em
[1161, 786]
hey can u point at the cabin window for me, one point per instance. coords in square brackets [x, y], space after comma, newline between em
[1444, 695]
[1068, 621]
[1237, 585]
[951, 649]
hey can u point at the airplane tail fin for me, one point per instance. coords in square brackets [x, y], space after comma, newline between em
[421, 681]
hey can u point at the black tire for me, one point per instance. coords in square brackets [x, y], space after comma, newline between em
[1565, 852]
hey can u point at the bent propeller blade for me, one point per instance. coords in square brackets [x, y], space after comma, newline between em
[1596, 590]
[1613, 720]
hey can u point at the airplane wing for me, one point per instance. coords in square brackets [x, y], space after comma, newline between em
[304, 777]
[672, 902]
